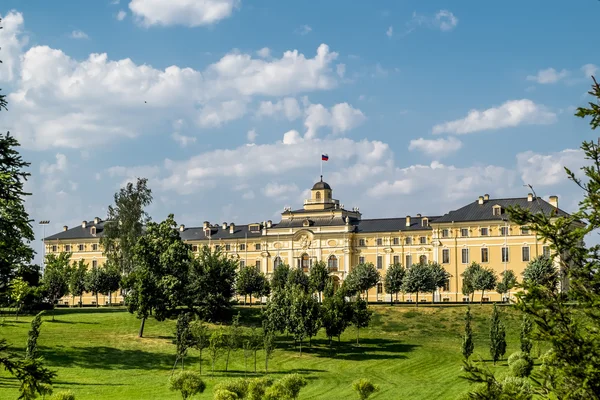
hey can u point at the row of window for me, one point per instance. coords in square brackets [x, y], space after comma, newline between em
[485, 254]
[395, 241]
[304, 262]
[396, 260]
[466, 232]
[69, 248]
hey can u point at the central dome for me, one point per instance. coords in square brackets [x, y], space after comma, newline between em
[321, 185]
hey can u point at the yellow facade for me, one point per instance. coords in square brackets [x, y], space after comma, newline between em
[324, 230]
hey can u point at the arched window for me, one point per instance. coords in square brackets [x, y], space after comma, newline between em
[276, 262]
[332, 263]
[423, 260]
[305, 262]
[93, 230]
[318, 196]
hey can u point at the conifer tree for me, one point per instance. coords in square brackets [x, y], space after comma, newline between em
[467, 343]
[497, 336]
[525, 336]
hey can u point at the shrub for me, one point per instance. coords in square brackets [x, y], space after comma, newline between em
[188, 383]
[65, 395]
[519, 355]
[257, 387]
[237, 386]
[516, 388]
[224, 394]
[364, 388]
[286, 388]
[521, 368]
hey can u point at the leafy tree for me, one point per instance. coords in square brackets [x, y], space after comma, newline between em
[541, 271]
[188, 383]
[280, 276]
[364, 388]
[336, 315]
[124, 224]
[484, 279]
[268, 346]
[212, 284]
[469, 274]
[393, 280]
[94, 280]
[362, 278]
[510, 388]
[297, 277]
[56, 277]
[157, 284]
[417, 279]
[184, 339]
[525, 336]
[19, 289]
[250, 281]
[319, 276]
[111, 279]
[277, 312]
[361, 315]
[256, 343]
[258, 386]
[467, 342]
[312, 320]
[77, 280]
[439, 277]
[298, 314]
[497, 336]
[507, 282]
[233, 338]
[200, 337]
[216, 344]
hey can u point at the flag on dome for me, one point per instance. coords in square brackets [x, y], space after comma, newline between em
[324, 157]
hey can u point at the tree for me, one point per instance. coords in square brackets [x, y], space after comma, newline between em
[439, 277]
[277, 312]
[280, 276]
[497, 336]
[362, 278]
[184, 339]
[31, 352]
[19, 289]
[364, 388]
[484, 279]
[250, 281]
[233, 338]
[361, 315]
[312, 320]
[77, 280]
[111, 281]
[256, 343]
[541, 271]
[124, 224]
[200, 338]
[188, 383]
[215, 346]
[94, 280]
[319, 276]
[56, 277]
[299, 311]
[211, 285]
[286, 388]
[467, 343]
[393, 280]
[525, 336]
[417, 279]
[157, 285]
[336, 315]
[469, 274]
[269, 347]
[507, 282]
[297, 277]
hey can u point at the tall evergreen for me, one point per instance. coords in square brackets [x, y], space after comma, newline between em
[467, 343]
[526, 328]
[497, 336]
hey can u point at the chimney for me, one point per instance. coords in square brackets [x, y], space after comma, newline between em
[206, 224]
[84, 224]
[231, 228]
[65, 228]
[529, 196]
[486, 197]
[224, 226]
[269, 224]
[480, 200]
[96, 220]
[408, 220]
[181, 228]
[553, 201]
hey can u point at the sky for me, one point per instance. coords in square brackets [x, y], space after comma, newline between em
[227, 105]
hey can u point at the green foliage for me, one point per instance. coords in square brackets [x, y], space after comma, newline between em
[497, 336]
[224, 394]
[594, 108]
[184, 339]
[336, 315]
[418, 279]
[525, 336]
[362, 278]
[484, 279]
[233, 338]
[468, 285]
[542, 272]
[31, 351]
[18, 290]
[216, 344]
[200, 338]
[188, 383]
[297, 277]
[467, 343]
[286, 388]
[277, 311]
[110, 279]
[257, 387]
[124, 224]
[520, 364]
[94, 279]
[77, 280]
[489, 388]
[250, 281]
[393, 279]
[439, 276]
[237, 386]
[63, 395]
[319, 277]
[268, 346]
[280, 276]
[507, 282]
[364, 388]
[303, 320]
[361, 315]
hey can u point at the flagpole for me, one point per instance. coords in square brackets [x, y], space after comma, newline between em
[321, 167]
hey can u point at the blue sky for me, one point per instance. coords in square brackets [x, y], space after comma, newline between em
[226, 105]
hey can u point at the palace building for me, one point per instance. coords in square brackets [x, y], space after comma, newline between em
[324, 230]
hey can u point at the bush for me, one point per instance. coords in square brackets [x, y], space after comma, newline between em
[224, 394]
[516, 388]
[257, 388]
[188, 383]
[286, 388]
[237, 386]
[519, 355]
[521, 368]
[67, 395]
[364, 388]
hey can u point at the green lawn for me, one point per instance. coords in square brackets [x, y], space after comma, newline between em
[411, 353]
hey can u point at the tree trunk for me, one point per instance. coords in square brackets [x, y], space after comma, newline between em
[97, 301]
[250, 299]
[141, 334]
[213, 365]
[417, 300]
[481, 301]
[109, 299]
[53, 307]
[17, 314]
[367, 295]
[472, 296]
[320, 299]
[73, 300]
[227, 360]
[81, 300]
[245, 297]
[174, 365]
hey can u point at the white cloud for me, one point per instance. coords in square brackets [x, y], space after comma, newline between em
[510, 114]
[279, 190]
[12, 42]
[183, 140]
[265, 52]
[445, 20]
[549, 75]
[390, 31]
[436, 147]
[252, 135]
[304, 30]
[50, 169]
[249, 195]
[548, 169]
[292, 137]
[191, 13]
[115, 2]
[77, 34]
[130, 174]
[589, 70]
[215, 115]
[340, 69]
[341, 118]
[121, 15]
[288, 106]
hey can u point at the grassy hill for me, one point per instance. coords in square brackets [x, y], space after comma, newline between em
[411, 353]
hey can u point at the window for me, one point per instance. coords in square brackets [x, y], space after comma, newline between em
[67, 248]
[485, 255]
[379, 242]
[504, 231]
[505, 254]
[545, 251]
[94, 247]
[408, 241]
[396, 241]
[423, 240]
[276, 262]
[484, 231]
[525, 253]
[227, 247]
[332, 263]
[423, 260]
[305, 262]
[465, 299]
[465, 256]
[424, 222]
[445, 256]
[447, 286]
[195, 248]
[94, 263]
[242, 247]
[445, 233]
[257, 264]
[79, 247]
[396, 259]
[361, 242]
[446, 299]
[497, 210]
[524, 230]
[361, 260]
[408, 261]
[318, 196]
[464, 232]
[217, 247]
[242, 263]
[93, 230]
[55, 248]
[379, 288]
[257, 246]
[254, 228]
[379, 262]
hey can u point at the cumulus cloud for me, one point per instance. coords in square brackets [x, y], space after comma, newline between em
[436, 147]
[279, 190]
[77, 34]
[589, 70]
[288, 107]
[510, 114]
[390, 31]
[121, 15]
[183, 140]
[549, 75]
[340, 118]
[548, 169]
[304, 30]
[191, 13]
[12, 42]
[215, 115]
[265, 52]
[252, 135]
[340, 69]
[443, 20]
[59, 166]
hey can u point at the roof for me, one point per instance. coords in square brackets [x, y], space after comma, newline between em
[483, 212]
[80, 232]
[393, 224]
[321, 185]
[217, 232]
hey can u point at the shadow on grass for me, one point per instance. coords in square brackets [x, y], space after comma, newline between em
[368, 349]
[251, 374]
[58, 321]
[85, 310]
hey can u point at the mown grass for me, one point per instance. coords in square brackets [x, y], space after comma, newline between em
[411, 353]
